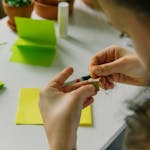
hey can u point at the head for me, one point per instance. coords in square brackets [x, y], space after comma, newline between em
[133, 18]
[138, 127]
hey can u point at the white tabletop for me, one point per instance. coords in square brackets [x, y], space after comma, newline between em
[88, 33]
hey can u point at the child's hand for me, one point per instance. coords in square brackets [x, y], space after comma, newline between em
[61, 107]
[115, 64]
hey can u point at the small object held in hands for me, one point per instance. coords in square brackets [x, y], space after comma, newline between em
[78, 80]
[95, 83]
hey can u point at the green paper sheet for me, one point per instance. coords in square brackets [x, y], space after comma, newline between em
[36, 30]
[36, 44]
[33, 55]
[28, 112]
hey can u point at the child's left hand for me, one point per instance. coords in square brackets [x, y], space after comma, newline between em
[61, 107]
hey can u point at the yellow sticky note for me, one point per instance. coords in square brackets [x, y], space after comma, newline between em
[28, 112]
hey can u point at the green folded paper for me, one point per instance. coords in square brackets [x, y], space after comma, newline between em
[33, 55]
[36, 44]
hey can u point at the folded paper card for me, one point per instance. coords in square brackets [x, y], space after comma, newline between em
[28, 112]
[36, 44]
[32, 55]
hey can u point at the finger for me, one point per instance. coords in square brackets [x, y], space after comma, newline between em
[103, 83]
[110, 82]
[74, 86]
[84, 92]
[106, 55]
[109, 68]
[125, 79]
[106, 83]
[109, 86]
[88, 102]
[62, 76]
[97, 59]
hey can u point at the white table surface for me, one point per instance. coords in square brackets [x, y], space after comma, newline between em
[88, 33]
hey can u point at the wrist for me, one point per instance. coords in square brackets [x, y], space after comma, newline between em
[62, 144]
[61, 139]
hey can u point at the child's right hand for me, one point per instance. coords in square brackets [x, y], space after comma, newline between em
[115, 64]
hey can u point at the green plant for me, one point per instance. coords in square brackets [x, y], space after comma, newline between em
[18, 3]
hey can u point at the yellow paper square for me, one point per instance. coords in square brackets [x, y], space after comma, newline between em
[28, 112]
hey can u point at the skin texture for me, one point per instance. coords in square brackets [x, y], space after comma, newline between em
[61, 109]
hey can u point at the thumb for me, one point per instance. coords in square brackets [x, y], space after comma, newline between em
[116, 66]
[84, 92]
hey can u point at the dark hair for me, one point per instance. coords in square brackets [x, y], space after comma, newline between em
[141, 7]
[138, 126]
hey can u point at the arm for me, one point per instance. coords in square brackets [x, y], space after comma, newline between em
[61, 107]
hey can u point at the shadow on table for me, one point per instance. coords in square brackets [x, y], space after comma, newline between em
[88, 30]
[88, 20]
